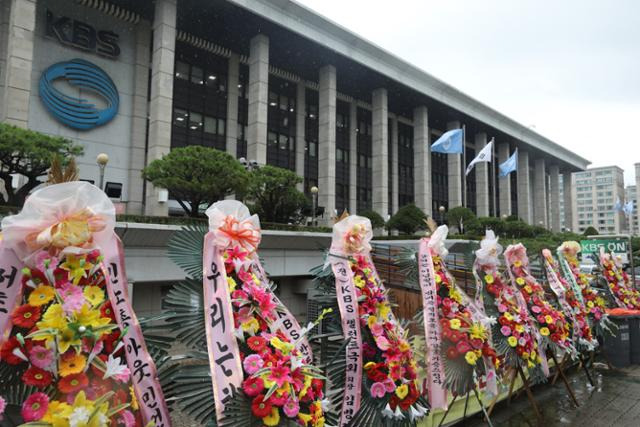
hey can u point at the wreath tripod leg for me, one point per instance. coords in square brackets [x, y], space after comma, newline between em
[513, 382]
[564, 380]
[532, 401]
[560, 366]
[586, 370]
[484, 411]
[466, 403]
[448, 409]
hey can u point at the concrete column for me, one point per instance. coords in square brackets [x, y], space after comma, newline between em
[161, 102]
[258, 99]
[233, 78]
[636, 214]
[524, 207]
[422, 160]
[300, 131]
[19, 42]
[395, 182]
[482, 178]
[4, 35]
[139, 117]
[504, 183]
[554, 198]
[380, 152]
[567, 193]
[540, 193]
[454, 163]
[353, 157]
[327, 141]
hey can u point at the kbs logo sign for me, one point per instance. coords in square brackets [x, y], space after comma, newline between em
[72, 32]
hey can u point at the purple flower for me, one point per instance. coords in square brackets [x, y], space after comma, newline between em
[378, 390]
[253, 363]
[506, 331]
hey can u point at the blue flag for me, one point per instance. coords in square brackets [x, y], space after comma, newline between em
[449, 143]
[509, 165]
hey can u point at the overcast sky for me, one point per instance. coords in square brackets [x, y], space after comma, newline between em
[570, 69]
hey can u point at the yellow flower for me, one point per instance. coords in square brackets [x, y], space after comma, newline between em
[471, 358]
[544, 331]
[66, 338]
[77, 266]
[548, 319]
[56, 412]
[455, 295]
[520, 281]
[508, 316]
[478, 331]
[251, 325]
[41, 295]
[402, 391]
[359, 282]
[590, 304]
[231, 283]
[488, 278]
[404, 346]
[72, 365]
[305, 418]
[94, 295]
[438, 278]
[520, 328]
[134, 399]
[284, 347]
[454, 323]
[512, 341]
[91, 317]
[383, 311]
[528, 289]
[517, 263]
[369, 365]
[53, 318]
[272, 419]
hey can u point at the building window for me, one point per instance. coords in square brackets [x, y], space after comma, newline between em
[405, 165]
[343, 177]
[364, 163]
[311, 140]
[439, 180]
[281, 122]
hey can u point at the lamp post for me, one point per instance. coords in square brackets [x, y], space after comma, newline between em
[441, 209]
[102, 159]
[505, 216]
[249, 165]
[314, 203]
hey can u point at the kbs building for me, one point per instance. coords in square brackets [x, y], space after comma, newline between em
[270, 81]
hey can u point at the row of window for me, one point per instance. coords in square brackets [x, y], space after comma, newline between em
[198, 122]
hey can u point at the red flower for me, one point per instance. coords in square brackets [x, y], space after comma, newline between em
[25, 316]
[452, 353]
[257, 343]
[37, 377]
[6, 352]
[36, 276]
[107, 311]
[252, 386]
[73, 383]
[260, 407]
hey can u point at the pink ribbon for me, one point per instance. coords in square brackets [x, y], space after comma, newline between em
[287, 323]
[224, 355]
[348, 304]
[435, 374]
[10, 288]
[559, 291]
[143, 371]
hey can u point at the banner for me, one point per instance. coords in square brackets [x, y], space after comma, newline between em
[10, 288]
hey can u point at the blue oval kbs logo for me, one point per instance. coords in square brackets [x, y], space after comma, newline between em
[75, 112]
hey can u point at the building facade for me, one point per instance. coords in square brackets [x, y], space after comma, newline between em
[631, 195]
[271, 82]
[597, 190]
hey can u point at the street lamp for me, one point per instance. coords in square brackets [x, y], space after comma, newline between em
[249, 165]
[314, 203]
[102, 159]
[505, 216]
[441, 209]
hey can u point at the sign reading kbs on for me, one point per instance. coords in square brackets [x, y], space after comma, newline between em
[617, 246]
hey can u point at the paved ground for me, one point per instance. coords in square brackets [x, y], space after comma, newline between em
[613, 401]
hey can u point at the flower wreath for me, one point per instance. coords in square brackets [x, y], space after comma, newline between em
[277, 373]
[552, 324]
[618, 281]
[75, 342]
[515, 336]
[596, 305]
[580, 314]
[466, 330]
[389, 373]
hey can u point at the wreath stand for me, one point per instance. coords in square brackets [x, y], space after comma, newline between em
[466, 403]
[560, 373]
[525, 384]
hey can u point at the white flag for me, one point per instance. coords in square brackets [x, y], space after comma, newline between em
[483, 156]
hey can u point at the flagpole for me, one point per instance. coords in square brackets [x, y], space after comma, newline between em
[493, 176]
[464, 165]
